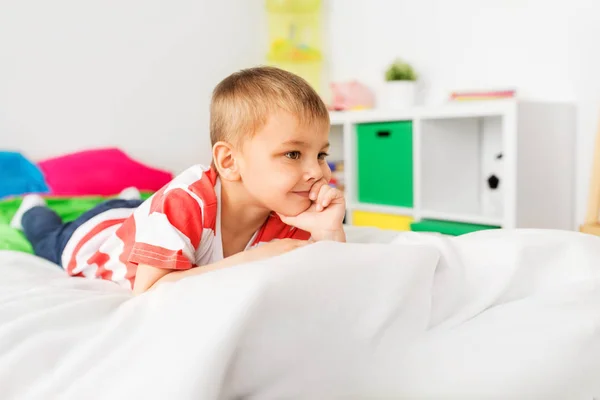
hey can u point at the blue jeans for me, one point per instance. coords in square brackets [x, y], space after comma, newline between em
[48, 234]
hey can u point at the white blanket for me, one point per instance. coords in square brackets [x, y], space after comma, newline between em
[496, 314]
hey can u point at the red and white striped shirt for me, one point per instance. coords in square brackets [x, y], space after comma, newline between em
[177, 228]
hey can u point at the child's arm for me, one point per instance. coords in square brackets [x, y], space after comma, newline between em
[147, 276]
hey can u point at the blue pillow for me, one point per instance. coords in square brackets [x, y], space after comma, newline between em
[19, 176]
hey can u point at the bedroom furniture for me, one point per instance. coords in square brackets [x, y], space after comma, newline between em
[458, 167]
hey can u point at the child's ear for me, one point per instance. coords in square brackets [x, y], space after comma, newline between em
[225, 162]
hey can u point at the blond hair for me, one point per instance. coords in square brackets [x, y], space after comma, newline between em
[242, 102]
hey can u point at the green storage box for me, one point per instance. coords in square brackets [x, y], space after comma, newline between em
[448, 227]
[385, 163]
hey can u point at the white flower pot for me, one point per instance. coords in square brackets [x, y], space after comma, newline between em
[399, 94]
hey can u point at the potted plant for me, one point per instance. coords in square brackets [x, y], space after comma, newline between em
[400, 86]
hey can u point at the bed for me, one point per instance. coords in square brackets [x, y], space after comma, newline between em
[494, 314]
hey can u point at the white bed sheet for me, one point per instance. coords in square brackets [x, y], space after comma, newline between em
[497, 314]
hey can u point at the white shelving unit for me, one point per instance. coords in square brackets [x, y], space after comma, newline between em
[454, 150]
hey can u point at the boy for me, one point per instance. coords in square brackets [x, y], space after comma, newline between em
[267, 186]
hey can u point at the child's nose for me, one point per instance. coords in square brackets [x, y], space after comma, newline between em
[313, 171]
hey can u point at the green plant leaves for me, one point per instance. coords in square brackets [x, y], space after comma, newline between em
[400, 71]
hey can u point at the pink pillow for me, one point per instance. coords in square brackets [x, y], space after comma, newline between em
[100, 172]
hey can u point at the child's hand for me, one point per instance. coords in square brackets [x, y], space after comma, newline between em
[325, 216]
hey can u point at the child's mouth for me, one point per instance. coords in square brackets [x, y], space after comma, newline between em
[304, 193]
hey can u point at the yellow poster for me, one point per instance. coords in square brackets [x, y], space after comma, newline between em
[295, 38]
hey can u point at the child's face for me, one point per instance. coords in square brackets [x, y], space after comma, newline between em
[282, 161]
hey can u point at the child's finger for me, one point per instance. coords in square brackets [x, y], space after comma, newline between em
[316, 187]
[329, 197]
[322, 196]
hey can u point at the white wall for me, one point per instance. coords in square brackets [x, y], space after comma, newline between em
[133, 73]
[547, 49]
[138, 73]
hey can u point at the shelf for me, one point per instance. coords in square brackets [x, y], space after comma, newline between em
[466, 109]
[467, 218]
[374, 115]
[468, 161]
[377, 208]
[458, 156]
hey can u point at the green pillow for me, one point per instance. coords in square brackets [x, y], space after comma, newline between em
[69, 208]
[12, 239]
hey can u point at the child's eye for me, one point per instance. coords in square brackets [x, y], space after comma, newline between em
[322, 156]
[293, 155]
